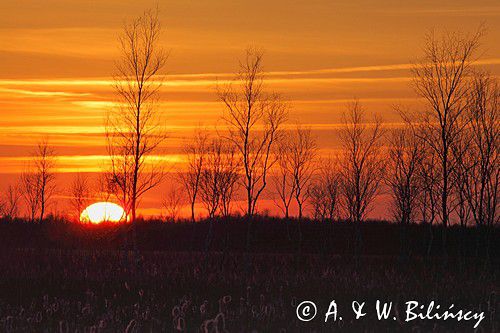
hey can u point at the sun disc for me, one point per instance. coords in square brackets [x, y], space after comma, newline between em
[102, 212]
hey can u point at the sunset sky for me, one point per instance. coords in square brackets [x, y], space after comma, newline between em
[56, 59]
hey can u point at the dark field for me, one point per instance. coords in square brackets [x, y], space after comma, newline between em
[86, 279]
[267, 235]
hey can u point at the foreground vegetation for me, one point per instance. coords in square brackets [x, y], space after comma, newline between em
[111, 291]
[59, 276]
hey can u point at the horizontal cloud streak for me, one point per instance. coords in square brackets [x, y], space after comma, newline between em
[204, 79]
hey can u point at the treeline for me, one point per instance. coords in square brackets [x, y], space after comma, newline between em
[270, 235]
[440, 166]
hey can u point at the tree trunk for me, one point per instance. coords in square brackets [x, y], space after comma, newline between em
[444, 200]
[42, 204]
[134, 226]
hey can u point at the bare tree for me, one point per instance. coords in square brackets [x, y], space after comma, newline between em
[460, 177]
[362, 166]
[296, 155]
[229, 177]
[30, 189]
[80, 194]
[324, 192]
[440, 78]
[10, 202]
[477, 175]
[218, 177]
[406, 152]
[405, 155]
[254, 119]
[303, 164]
[480, 159]
[44, 164]
[38, 181]
[319, 200]
[211, 177]
[195, 153]
[105, 187]
[134, 129]
[428, 200]
[284, 183]
[172, 204]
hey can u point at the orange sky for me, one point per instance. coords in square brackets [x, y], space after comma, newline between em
[56, 58]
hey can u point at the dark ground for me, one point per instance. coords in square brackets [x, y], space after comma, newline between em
[268, 235]
[61, 277]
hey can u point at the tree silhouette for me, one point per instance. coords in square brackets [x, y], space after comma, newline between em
[362, 165]
[406, 152]
[440, 78]
[254, 120]
[195, 152]
[9, 205]
[133, 129]
[80, 194]
[324, 191]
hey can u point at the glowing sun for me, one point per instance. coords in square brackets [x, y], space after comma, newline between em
[103, 212]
